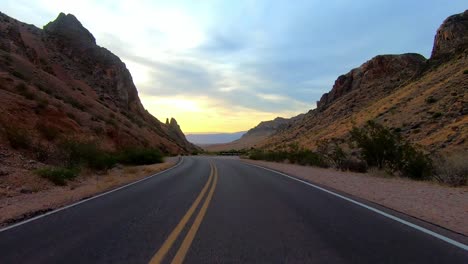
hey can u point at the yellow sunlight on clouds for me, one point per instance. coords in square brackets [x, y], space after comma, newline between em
[202, 114]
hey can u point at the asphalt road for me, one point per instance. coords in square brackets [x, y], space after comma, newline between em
[219, 210]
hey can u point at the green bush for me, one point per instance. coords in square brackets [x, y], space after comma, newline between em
[379, 146]
[48, 132]
[383, 148]
[465, 72]
[297, 156]
[140, 156]
[73, 102]
[430, 100]
[57, 175]
[436, 115]
[452, 170]
[18, 75]
[87, 154]
[18, 138]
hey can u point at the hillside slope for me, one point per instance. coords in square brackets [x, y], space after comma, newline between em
[425, 100]
[57, 82]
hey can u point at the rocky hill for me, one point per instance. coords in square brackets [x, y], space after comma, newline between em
[426, 100]
[255, 135]
[56, 82]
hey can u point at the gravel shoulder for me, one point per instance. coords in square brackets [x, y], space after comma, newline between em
[442, 205]
[19, 206]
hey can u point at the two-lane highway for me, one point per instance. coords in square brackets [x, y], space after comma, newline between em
[221, 210]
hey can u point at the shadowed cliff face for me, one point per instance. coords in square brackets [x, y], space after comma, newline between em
[89, 91]
[384, 70]
[425, 100]
[452, 36]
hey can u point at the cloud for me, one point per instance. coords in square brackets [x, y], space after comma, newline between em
[230, 64]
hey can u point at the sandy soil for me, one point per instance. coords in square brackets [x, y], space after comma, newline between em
[441, 205]
[17, 206]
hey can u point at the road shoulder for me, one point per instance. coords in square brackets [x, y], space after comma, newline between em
[440, 205]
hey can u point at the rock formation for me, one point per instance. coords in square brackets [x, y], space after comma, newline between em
[452, 36]
[60, 79]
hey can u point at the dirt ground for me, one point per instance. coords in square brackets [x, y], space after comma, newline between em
[441, 205]
[25, 194]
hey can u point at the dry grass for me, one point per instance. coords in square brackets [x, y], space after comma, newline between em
[452, 170]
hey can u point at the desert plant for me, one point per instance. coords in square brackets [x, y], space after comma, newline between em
[18, 75]
[140, 156]
[57, 175]
[73, 102]
[451, 170]
[383, 148]
[48, 132]
[430, 100]
[18, 138]
[465, 72]
[379, 146]
[436, 115]
[76, 153]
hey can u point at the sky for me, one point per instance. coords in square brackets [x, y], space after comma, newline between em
[224, 66]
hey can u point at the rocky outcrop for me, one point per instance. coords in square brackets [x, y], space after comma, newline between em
[388, 70]
[70, 30]
[83, 90]
[423, 100]
[103, 71]
[452, 36]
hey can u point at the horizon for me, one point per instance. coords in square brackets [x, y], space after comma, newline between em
[225, 73]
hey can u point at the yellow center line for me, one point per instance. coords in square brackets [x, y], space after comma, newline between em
[182, 252]
[159, 256]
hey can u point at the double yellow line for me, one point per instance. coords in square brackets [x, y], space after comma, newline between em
[184, 247]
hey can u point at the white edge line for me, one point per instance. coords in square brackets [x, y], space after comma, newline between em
[89, 199]
[422, 229]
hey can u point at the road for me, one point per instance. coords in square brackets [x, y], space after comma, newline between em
[221, 210]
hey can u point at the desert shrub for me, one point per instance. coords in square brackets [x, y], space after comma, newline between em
[44, 89]
[48, 132]
[298, 156]
[140, 156]
[307, 157]
[452, 170]
[41, 152]
[436, 115]
[21, 87]
[73, 102]
[414, 163]
[18, 75]
[76, 153]
[18, 138]
[465, 72]
[354, 165]
[71, 115]
[383, 148]
[24, 91]
[42, 104]
[379, 146]
[58, 175]
[430, 100]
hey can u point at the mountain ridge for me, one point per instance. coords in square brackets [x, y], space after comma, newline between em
[58, 78]
[423, 99]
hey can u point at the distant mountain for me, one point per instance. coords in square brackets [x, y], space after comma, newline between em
[256, 135]
[57, 81]
[425, 100]
[213, 138]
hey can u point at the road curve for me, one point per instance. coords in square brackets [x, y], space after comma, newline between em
[220, 210]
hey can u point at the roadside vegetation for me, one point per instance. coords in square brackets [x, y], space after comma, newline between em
[67, 157]
[374, 146]
[73, 156]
